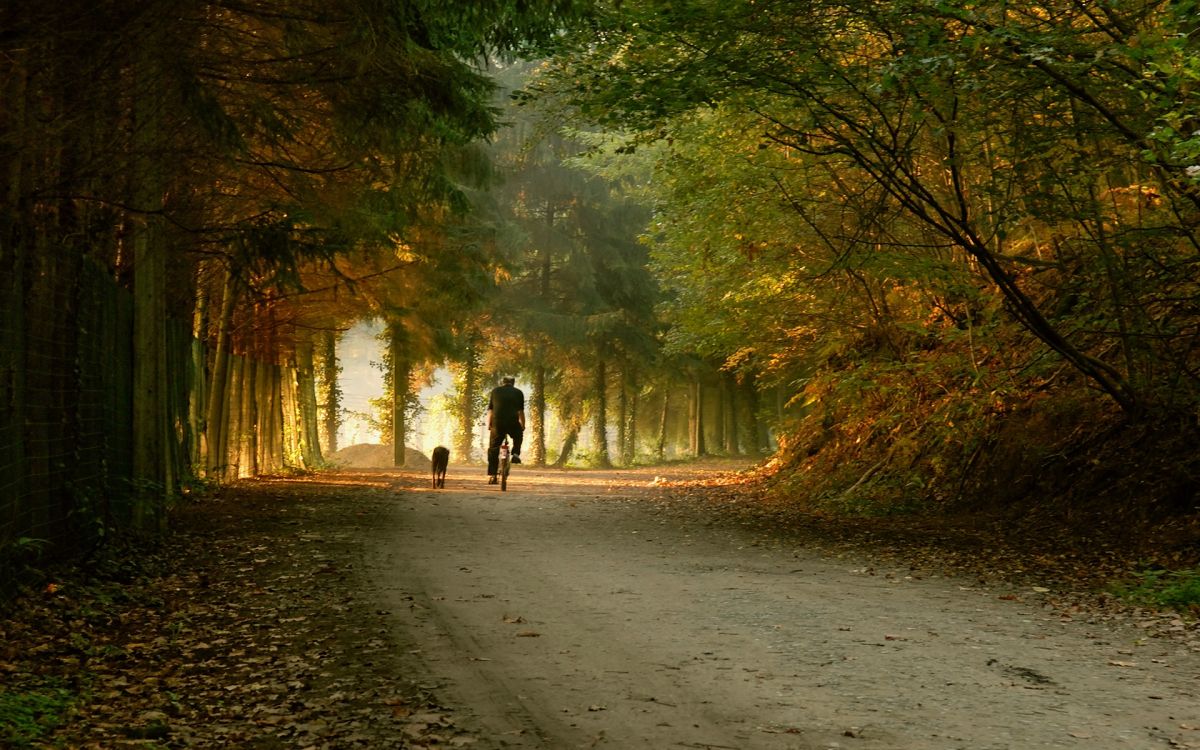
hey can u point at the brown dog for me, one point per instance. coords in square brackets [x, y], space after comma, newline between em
[441, 457]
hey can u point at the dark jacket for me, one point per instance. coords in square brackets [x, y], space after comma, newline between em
[506, 402]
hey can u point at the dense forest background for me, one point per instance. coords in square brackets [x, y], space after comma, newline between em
[931, 257]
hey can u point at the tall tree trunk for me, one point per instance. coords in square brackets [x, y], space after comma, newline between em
[219, 385]
[468, 396]
[306, 402]
[292, 455]
[270, 417]
[719, 418]
[538, 403]
[400, 377]
[236, 428]
[754, 428]
[151, 431]
[729, 384]
[180, 423]
[227, 437]
[631, 431]
[696, 419]
[14, 267]
[331, 392]
[537, 415]
[197, 418]
[600, 414]
[622, 415]
[279, 430]
[661, 448]
[249, 420]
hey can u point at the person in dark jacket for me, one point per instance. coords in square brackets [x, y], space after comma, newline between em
[505, 416]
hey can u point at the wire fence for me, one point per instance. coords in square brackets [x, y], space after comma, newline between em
[66, 405]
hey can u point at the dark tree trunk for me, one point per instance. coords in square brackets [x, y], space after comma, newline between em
[332, 406]
[219, 385]
[632, 433]
[467, 378]
[696, 419]
[661, 448]
[400, 385]
[600, 416]
[537, 416]
[623, 417]
[732, 443]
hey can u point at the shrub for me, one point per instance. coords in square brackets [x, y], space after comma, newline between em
[1178, 589]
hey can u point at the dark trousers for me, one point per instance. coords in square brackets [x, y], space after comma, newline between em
[516, 432]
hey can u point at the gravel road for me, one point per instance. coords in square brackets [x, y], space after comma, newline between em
[575, 611]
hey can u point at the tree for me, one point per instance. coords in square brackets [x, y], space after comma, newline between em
[178, 145]
[970, 135]
[580, 294]
[330, 393]
[467, 400]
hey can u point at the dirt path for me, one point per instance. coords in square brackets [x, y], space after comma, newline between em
[361, 611]
[570, 612]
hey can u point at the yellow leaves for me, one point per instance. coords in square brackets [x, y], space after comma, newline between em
[404, 252]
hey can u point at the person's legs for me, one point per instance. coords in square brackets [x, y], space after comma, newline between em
[493, 453]
[518, 434]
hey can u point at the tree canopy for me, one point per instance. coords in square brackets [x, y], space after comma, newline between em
[1041, 149]
[885, 229]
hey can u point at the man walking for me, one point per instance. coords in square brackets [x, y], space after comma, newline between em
[505, 416]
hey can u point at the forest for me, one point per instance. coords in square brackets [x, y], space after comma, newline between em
[927, 257]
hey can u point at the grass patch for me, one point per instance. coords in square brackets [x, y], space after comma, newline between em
[28, 716]
[1179, 589]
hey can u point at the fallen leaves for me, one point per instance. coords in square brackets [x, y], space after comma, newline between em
[244, 633]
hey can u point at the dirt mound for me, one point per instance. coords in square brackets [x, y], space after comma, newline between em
[375, 456]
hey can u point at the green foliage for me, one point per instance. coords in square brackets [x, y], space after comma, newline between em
[1157, 587]
[29, 716]
[577, 289]
[25, 548]
[955, 154]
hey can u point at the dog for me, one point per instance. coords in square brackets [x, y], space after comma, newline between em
[441, 457]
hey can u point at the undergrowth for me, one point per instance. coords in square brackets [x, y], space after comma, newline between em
[30, 715]
[1158, 588]
[930, 433]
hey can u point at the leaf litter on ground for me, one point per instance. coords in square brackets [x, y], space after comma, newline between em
[247, 628]
[239, 631]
